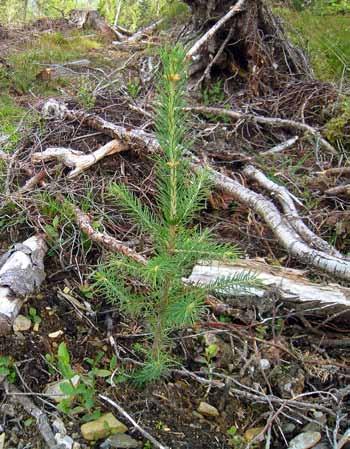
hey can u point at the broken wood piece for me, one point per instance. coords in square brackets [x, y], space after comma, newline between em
[78, 160]
[335, 171]
[211, 32]
[140, 34]
[21, 273]
[270, 121]
[343, 189]
[286, 200]
[280, 147]
[293, 288]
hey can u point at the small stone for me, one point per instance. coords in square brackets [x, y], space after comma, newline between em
[207, 409]
[64, 441]
[59, 427]
[76, 445]
[265, 364]
[56, 334]
[2, 441]
[22, 324]
[289, 427]
[54, 391]
[122, 441]
[251, 434]
[305, 440]
[102, 427]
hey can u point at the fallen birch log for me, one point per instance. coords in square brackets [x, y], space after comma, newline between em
[265, 208]
[21, 272]
[293, 288]
[78, 160]
[286, 200]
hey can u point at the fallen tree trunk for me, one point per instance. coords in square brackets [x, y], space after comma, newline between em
[278, 223]
[292, 288]
[21, 272]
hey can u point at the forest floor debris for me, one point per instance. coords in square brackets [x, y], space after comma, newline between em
[269, 366]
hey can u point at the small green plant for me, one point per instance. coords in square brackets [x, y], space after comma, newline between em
[214, 94]
[34, 317]
[148, 445]
[134, 87]
[7, 368]
[156, 291]
[235, 440]
[79, 389]
[85, 94]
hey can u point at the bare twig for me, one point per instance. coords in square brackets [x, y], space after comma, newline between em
[144, 432]
[270, 121]
[84, 223]
[280, 147]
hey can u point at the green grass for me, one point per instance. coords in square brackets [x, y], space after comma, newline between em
[47, 49]
[325, 37]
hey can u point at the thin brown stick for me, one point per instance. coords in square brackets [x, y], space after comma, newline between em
[335, 171]
[144, 432]
[84, 223]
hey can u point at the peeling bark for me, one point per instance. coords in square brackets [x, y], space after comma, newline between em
[21, 273]
[293, 289]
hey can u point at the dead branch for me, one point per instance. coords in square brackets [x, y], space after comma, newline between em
[78, 160]
[335, 171]
[84, 223]
[343, 189]
[286, 200]
[211, 32]
[283, 231]
[21, 272]
[143, 432]
[280, 147]
[270, 121]
[294, 289]
[42, 421]
[140, 34]
[279, 225]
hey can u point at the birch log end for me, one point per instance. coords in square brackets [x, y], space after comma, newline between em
[21, 273]
[294, 290]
